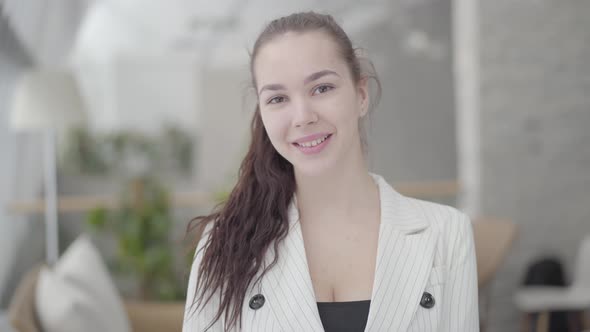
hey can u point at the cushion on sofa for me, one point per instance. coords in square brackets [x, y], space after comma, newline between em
[77, 294]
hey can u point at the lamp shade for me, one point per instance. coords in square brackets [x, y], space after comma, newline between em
[47, 99]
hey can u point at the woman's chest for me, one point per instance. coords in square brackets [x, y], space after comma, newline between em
[407, 266]
[342, 264]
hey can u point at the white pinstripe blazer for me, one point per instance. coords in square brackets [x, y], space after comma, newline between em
[423, 247]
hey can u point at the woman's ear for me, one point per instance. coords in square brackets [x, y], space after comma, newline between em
[363, 93]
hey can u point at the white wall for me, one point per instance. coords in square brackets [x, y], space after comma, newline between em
[225, 128]
[141, 92]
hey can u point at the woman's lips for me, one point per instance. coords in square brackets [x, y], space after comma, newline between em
[310, 138]
[314, 149]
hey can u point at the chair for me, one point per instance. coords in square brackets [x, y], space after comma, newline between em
[576, 297]
[492, 239]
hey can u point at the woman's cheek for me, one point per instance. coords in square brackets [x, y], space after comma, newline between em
[276, 132]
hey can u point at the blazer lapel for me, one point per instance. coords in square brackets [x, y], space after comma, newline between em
[404, 259]
[405, 253]
[288, 284]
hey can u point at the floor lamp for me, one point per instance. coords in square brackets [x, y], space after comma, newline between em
[47, 101]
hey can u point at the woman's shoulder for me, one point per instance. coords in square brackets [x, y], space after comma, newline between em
[454, 229]
[202, 239]
[441, 216]
[205, 233]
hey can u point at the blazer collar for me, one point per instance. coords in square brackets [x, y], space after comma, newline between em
[396, 209]
[405, 253]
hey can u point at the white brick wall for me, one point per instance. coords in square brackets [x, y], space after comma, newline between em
[535, 119]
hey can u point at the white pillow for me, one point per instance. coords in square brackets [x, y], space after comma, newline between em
[78, 294]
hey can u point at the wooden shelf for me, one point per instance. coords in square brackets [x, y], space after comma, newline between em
[72, 204]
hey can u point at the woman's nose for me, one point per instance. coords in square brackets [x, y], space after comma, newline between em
[304, 114]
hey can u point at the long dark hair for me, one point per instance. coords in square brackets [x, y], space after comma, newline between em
[255, 215]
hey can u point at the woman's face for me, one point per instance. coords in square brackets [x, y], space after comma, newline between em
[309, 103]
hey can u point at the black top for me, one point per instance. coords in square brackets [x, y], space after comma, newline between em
[350, 316]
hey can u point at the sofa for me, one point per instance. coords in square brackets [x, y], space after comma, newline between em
[143, 316]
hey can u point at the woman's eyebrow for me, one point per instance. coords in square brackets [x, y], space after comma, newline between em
[308, 79]
[272, 87]
[319, 74]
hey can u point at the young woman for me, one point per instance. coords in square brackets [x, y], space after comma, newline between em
[309, 239]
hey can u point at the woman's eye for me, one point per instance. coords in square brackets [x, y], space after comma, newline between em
[322, 89]
[276, 100]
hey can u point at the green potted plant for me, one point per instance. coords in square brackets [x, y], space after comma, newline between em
[142, 225]
[141, 222]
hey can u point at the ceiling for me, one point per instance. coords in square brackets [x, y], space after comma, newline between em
[218, 31]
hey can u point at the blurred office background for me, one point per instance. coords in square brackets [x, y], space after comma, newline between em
[485, 106]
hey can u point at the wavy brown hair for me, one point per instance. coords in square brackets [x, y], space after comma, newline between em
[255, 216]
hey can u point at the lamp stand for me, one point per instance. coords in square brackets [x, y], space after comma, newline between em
[50, 178]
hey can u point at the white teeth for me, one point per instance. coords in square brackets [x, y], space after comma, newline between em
[314, 142]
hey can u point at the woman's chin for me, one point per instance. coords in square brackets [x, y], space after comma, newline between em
[313, 169]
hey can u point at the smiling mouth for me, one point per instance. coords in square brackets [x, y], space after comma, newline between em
[313, 143]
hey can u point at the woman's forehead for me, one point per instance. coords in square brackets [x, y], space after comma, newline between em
[296, 55]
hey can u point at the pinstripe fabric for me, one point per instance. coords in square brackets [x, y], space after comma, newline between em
[423, 247]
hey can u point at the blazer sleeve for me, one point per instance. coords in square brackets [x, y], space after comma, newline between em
[461, 311]
[197, 321]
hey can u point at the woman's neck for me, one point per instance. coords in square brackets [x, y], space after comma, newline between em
[336, 197]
